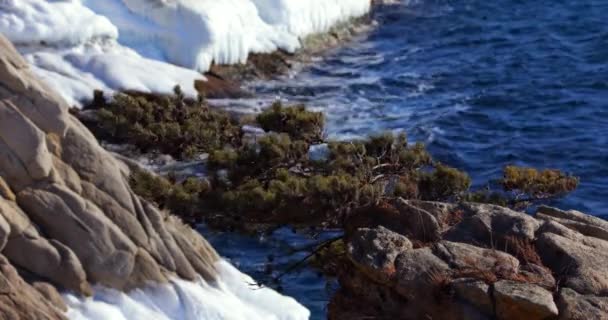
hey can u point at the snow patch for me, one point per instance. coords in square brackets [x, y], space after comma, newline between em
[152, 45]
[76, 71]
[235, 296]
[302, 18]
[65, 22]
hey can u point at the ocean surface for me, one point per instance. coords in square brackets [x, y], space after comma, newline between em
[483, 83]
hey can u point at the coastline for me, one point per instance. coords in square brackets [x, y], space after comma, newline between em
[413, 239]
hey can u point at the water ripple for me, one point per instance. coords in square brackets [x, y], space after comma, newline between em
[485, 83]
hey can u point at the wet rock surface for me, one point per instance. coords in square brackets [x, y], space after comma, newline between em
[493, 263]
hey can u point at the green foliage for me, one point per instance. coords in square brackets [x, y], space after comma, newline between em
[487, 196]
[296, 121]
[330, 258]
[521, 186]
[270, 178]
[273, 150]
[222, 158]
[181, 198]
[443, 183]
[537, 184]
[150, 187]
[273, 179]
[168, 124]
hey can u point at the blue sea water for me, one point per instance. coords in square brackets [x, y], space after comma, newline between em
[483, 83]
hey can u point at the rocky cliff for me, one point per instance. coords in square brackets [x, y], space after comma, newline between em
[431, 260]
[68, 218]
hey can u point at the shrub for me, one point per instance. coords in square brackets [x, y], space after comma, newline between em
[270, 177]
[296, 121]
[537, 184]
[487, 196]
[182, 198]
[330, 259]
[167, 124]
[520, 186]
[443, 183]
[222, 158]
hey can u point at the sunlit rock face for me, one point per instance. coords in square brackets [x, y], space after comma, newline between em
[70, 222]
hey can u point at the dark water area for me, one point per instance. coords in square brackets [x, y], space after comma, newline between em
[483, 83]
[268, 257]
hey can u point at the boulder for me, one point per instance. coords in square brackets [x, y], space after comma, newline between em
[398, 216]
[198, 253]
[517, 300]
[417, 271]
[417, 222]
[22, 88]
[12, 170]
[490, 225]
[27, 142]
[374, 251]
[538, 275]
[21, 301]
[467, 257]
[48, 259]
[575, 220]
[440, 210]
[474, 292]
[575, 306]
[582, 265]
[50, 293]
[551, 226]
[104, 250]
[469, 273]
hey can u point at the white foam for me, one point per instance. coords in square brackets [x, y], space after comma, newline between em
[235, 296]
[77, 45]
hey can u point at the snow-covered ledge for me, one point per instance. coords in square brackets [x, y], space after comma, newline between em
[152, 45]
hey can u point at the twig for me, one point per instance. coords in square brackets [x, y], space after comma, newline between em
[376, 178]
[296, 265]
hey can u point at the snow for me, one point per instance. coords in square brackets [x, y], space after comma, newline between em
[152, 45]
[75, 72]
[302, 18]
[53, 22]
[234, 297]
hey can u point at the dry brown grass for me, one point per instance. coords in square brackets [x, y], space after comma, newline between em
[452, 218]
[522, 249]
[390, 270]
[417, 244]
[484, 275]
[502, 269]
[531, 278]
[441, 282]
